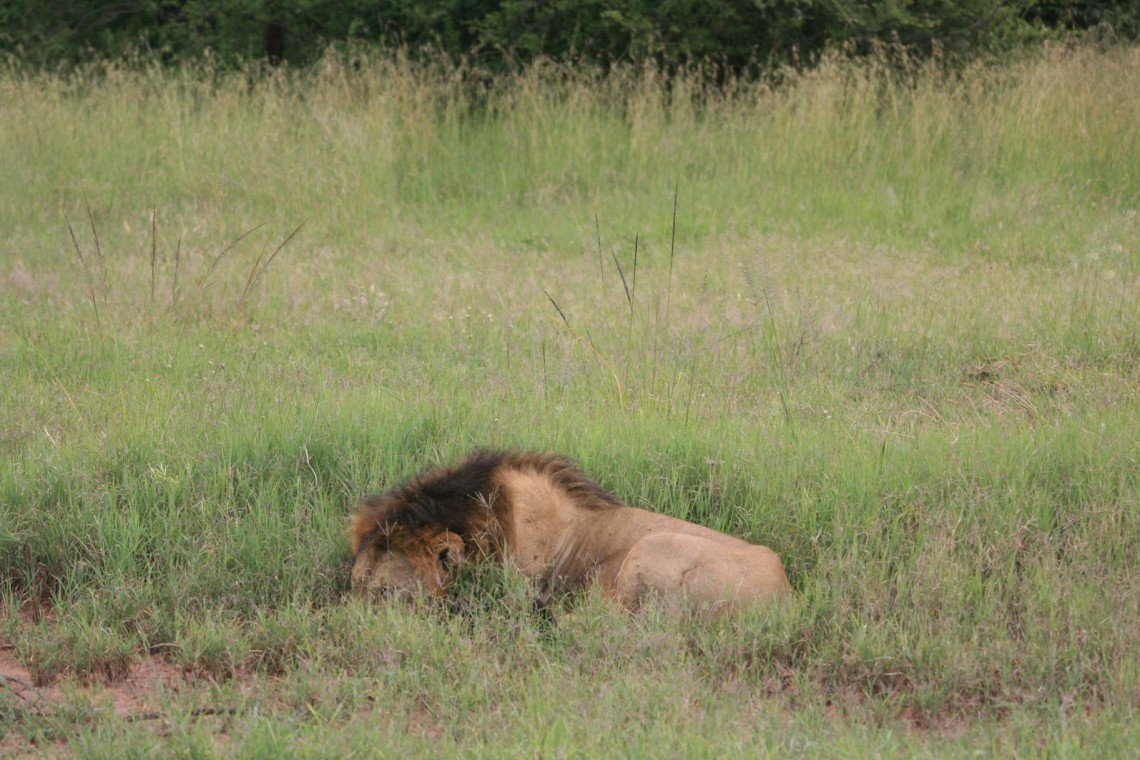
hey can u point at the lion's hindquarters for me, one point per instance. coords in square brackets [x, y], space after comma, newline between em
[699, 570]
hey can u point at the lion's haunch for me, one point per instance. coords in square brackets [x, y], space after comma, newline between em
[543, 515]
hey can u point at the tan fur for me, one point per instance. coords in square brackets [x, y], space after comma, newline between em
[557, 526]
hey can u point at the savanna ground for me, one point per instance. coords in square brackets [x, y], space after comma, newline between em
[895, 337]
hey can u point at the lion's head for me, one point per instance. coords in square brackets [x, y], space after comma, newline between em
[393, 560]
[414, 537]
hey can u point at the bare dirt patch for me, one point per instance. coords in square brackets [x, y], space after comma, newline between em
[134, 698]
[130, 697]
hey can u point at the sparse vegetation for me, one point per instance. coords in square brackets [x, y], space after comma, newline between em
[894, 338]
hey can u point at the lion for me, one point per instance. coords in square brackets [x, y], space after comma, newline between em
[545, 517]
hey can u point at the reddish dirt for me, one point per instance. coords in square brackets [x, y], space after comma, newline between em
[131, 696]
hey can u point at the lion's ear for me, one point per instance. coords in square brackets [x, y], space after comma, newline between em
[450, 551]
[370, 513]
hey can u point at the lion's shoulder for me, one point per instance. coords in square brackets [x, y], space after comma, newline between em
[565, 475]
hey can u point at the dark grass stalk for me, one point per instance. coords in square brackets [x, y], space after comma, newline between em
[175, 298]
[669, 287]
[99, 258]
[556, 307]
[600, 300]
[672, 251]
[259, 268]
[204, 282]
[589, 340]
[668, 291]
[760, 293]
[87, 277]
[598, 235]
[629, 302]
[631, 294]
[692, 387]
[696, 353]
[75, 408]
[175, 285]
[153, 251]
[633, 289]
[624, 284]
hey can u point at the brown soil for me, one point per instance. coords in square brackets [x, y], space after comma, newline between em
[131, 696]
[134, 698]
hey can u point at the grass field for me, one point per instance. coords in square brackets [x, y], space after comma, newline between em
[891, 332]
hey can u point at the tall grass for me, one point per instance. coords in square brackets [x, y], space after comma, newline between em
[889, 330]
[907, 152]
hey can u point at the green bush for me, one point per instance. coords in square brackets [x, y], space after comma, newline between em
[500, 33]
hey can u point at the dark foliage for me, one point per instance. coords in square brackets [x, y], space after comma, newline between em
[500, 33]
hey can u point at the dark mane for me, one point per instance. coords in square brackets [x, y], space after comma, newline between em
[460, 499]
[464, 499]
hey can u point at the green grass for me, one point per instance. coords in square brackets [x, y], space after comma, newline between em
[893, 337]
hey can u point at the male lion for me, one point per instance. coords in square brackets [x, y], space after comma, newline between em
[547, 518]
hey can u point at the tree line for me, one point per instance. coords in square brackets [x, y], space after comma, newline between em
[501, 33]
